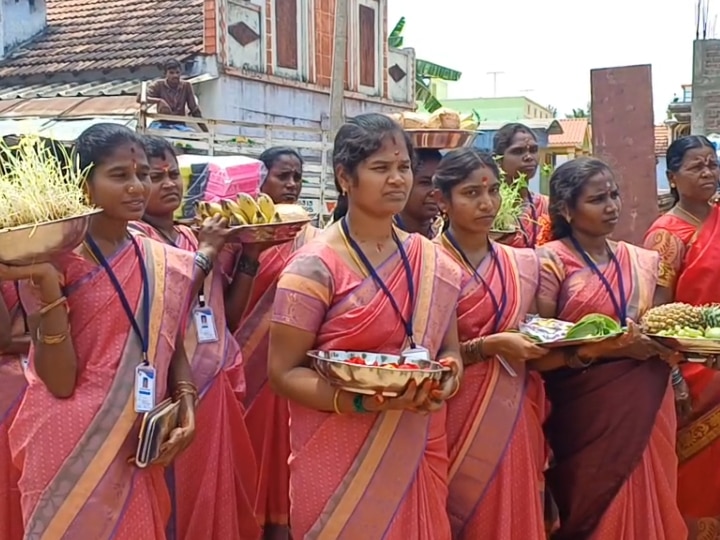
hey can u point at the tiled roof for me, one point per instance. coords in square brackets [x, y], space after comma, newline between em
[662, 139]
[574, 130]
[88, 35]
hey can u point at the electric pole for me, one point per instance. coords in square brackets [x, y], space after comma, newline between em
[337, 85]
[494, 75]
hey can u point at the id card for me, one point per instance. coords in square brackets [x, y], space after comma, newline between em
[416, 353]
[205, 325]
[144, 388]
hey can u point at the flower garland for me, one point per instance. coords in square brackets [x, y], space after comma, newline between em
[544, 230]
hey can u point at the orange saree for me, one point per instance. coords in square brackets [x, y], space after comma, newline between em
[374, 475]
[611, 426]
[497, 447]
[690, 259]
[266, 413]
[529, 223]
[212, 483]
[73, 453]
[12, 388]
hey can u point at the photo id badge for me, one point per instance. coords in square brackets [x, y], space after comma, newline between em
[205, 325]
[144, 388]
[413, 354]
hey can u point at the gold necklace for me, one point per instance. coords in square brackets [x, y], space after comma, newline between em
[89, 252]
[693, 219]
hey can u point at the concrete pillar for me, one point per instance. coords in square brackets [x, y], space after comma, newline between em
[623, 135]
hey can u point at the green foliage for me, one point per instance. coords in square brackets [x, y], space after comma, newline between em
[424, 71]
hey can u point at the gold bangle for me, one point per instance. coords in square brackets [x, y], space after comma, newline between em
[52, 305]
[454, 392]
[50, 339]
[336, 401]
[179, 394]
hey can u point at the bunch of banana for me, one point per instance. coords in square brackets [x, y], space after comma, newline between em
[243, 210]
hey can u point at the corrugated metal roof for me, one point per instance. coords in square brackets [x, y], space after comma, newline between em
[64, 130]
[112, 87]
[69, 107]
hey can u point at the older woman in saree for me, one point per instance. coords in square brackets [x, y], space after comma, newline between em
[14, 344]
[367, 286]
[497, 416]
[253, 292]
[612, 421]
[516, 148]
[687, 239]
[101, 321]
[212, 485]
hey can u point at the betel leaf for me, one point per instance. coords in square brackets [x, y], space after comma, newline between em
[593, 325]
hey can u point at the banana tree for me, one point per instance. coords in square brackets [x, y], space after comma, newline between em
[424, 71]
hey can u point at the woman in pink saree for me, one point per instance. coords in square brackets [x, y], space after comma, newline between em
[212, 485]
[496, 418]
[612, 421]
[366, 466]
[15, 343]
[267, 414]
[516, 148]
[112, 307]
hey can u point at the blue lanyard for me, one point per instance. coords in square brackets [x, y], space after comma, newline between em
[407, 323]
[619, 306]
[500, 306]
[142, 336]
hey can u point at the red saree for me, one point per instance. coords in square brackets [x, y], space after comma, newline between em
[12, 388]
[75, 479]
[495, 438]
[212, 483]
[529, 223]
[612, 426]
[690, 259]
[267, 414]
[374, 475]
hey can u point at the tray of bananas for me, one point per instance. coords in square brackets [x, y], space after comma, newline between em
[256, 220]
[685, 328]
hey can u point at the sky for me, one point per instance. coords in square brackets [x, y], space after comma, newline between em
[546, 49]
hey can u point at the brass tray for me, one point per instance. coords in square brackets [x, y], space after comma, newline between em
[441, 139]
[373, 379]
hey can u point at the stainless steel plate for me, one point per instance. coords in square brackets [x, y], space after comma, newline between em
[378, 378]
[576, 342]
[33, 244]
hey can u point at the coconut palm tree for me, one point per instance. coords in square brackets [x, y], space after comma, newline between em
[424, 71]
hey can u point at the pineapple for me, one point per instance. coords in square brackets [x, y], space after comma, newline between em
[676, 315]
[711, 315]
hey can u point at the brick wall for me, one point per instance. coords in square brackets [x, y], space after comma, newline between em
[706, 87]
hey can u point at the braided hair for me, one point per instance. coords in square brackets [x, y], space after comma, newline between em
[566, 185]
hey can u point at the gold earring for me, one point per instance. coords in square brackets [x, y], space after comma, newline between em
[672, 185]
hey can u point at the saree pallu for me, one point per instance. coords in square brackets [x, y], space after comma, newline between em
[529, 223]
[267, 414]
[76, 481]
[612, 426]
[379, 476]
[692, 257]
[497, 447]
[212, 483]
[12, 388]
